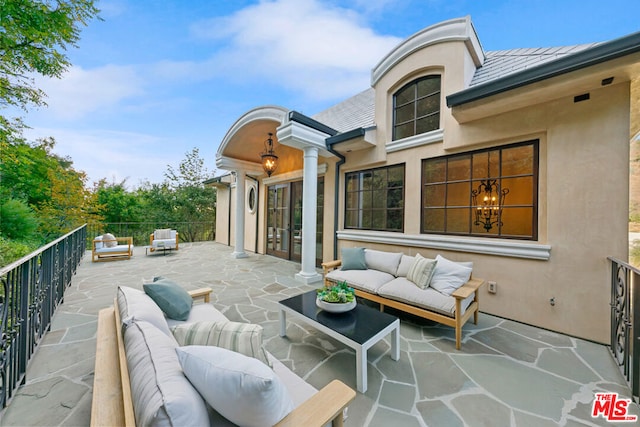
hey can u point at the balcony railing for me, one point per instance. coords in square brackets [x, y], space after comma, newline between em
[625, 321]
[30, 291]
[140, 231]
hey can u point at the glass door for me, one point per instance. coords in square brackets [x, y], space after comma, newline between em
[278, 221]
[284, 220]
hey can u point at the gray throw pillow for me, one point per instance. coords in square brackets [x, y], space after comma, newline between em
[172, 299]
[353, 259]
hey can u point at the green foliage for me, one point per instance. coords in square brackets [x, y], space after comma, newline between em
[115, 204]
[34, 35]
[17, 220]
[13, 250]
[634, 254]
[339, 293]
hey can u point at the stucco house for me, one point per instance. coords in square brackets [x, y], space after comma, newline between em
[517, 160]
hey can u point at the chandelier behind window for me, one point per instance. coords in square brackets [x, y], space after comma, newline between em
[488, 200]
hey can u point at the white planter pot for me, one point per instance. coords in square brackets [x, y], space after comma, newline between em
[334, 307]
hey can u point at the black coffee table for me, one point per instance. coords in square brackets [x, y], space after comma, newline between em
[359, 328]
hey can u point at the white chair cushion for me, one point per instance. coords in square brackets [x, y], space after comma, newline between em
[298, 389]
[405, 264]
[164, 243]
[382, 261]
[161, 394]
[164, 233]
[99, 243]
[242, 389]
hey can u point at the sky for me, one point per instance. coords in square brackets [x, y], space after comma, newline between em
[156, 78]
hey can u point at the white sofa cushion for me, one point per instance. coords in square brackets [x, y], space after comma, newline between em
[449, 276]
[403, 290]
[244, 338]
[134, 305]
[421, 271]
[242, 389]
[161, 394]
[382, 261]
[200, 313]
[405, 264]
[366, 280]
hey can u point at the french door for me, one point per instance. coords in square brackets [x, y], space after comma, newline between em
[284, 220]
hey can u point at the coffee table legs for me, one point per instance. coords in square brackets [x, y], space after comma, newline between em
[361, 350]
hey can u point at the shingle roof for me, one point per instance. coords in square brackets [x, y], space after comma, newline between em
[352, 113]
[500, 63]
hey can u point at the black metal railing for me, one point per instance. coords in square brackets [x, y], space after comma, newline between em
[625, 321]
[30, 291]
[140, 231]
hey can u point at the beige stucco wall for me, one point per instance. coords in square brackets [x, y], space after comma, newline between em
[222, 215]
[583, 199]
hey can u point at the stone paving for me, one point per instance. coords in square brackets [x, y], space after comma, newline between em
[507, 373]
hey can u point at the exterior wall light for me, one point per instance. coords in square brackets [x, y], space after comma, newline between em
[268, 156]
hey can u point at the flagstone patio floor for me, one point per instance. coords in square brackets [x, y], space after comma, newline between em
[506, 374]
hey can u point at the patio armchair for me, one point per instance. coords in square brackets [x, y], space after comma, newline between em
[163, 239]
[110, 248]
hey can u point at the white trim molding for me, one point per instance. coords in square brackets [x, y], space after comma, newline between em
[268, 112]
[451, 243]
[415, 141]
[459, 29]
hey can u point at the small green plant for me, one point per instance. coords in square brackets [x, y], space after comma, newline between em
[339, 293]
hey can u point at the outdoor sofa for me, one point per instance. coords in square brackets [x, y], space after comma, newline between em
[110, 248]
[144, 376]
[440, 290]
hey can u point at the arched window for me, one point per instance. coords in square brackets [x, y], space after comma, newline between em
[416, 107]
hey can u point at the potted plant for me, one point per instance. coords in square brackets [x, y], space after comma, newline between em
[337, 298]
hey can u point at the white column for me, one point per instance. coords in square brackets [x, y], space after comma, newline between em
[239, 229]
[308, 274]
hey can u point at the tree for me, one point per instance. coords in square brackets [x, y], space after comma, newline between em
[34, 34]
[191, 171]
[191, 202]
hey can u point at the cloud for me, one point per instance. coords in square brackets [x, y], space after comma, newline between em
[83, 91]
[321, 50]
[113, 155]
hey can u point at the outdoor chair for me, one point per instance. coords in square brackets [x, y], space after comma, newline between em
[163, 239]
[110, 248]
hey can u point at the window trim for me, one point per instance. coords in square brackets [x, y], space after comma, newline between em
[346, 193]
[535, 143]
[415, 103]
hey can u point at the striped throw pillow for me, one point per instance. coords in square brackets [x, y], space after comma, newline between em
[244, 338]
[421, 271]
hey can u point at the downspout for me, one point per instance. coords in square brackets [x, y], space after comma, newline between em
[336, 192]
[255, 250]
